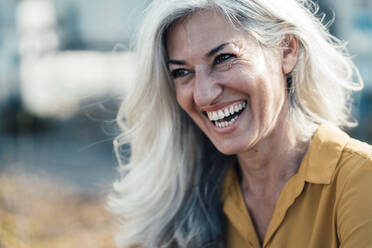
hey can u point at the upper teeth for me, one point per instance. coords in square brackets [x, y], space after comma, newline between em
[225, 112]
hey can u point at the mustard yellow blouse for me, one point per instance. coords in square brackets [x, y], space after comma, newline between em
[327, 203]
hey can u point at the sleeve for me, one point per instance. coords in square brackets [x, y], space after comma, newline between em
[354, 211]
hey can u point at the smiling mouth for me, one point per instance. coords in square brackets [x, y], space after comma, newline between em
[226, 116]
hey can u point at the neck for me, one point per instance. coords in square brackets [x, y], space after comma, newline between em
[272, 162]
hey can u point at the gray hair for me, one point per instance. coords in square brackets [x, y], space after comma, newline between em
[169, 192]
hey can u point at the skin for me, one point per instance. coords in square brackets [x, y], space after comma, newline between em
[212, 65]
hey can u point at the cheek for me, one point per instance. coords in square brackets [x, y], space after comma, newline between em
[240, 78]
[184, 97]
[244, 86]
[271, 102]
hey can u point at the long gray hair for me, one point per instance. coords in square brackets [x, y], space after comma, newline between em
[169, 191]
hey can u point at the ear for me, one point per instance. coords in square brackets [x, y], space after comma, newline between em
[290, 48]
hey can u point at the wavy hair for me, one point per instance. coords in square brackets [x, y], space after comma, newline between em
[168, 194]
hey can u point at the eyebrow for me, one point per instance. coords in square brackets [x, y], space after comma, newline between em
[176, 62]
[208, 55]
[216, 49]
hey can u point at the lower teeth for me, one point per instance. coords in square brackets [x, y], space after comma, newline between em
[226, 123]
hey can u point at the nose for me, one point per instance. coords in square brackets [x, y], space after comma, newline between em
[207, 88]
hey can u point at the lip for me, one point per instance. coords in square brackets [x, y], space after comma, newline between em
[232, 127]
[220, 105]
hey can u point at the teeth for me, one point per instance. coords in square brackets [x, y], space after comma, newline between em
[231, 110]
[227, 112]
[236, 108]
[226, 123]
[222, 113]
[217, 116]
[214, 116]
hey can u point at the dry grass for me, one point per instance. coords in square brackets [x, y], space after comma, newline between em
[38, 213]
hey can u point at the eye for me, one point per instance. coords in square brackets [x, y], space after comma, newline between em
[222, 58]
[177, 73]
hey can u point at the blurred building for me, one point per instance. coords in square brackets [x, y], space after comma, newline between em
[354, 23]
[67, 52]
[8, 48]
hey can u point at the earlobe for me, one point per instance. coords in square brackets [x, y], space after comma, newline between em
[290, 48]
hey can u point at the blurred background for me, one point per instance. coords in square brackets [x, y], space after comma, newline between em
[64, 68]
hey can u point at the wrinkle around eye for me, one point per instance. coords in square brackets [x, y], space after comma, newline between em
[230, 63]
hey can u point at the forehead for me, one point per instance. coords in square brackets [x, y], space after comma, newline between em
[200, 32]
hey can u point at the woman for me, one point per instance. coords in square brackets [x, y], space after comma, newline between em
[233, 126]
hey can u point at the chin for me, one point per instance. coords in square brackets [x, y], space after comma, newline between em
[236, 145]
[229, 149]
[228, 152]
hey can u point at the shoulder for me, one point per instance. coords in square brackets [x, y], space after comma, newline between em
[333, 155]
[358, 148]
[345, 162]
[355, 162]
[354, 191]
[354, 168]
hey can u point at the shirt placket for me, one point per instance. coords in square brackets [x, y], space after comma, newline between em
[287, 198]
